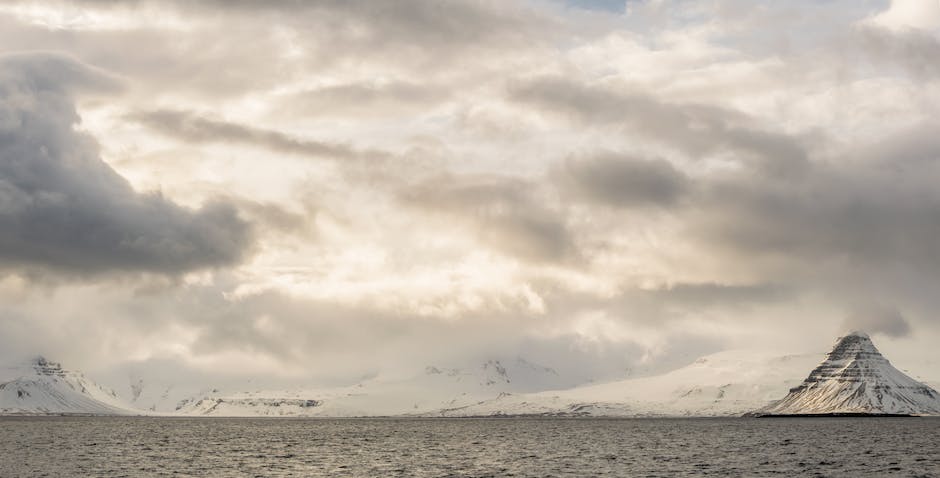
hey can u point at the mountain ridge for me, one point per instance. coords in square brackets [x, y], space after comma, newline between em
[728, 383]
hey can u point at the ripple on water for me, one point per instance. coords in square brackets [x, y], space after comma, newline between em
[85, 446]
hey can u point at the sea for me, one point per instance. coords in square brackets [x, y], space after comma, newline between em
[492, 447]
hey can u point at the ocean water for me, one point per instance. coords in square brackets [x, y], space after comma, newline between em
[87, 446]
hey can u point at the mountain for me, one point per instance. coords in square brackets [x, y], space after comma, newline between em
[44, 387]
[158, 395]
[856, 378]
[853, 378]
[144, 396]
[727, 383]
[423, 393]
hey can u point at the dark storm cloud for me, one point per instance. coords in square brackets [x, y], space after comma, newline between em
[621, 181]
[877, 319]
[62, 207]
[503, 212]
[694, 129]
[191, 127]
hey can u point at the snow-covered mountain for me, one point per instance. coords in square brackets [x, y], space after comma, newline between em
[144, 396]
[856, 378]
[156, 396]
[853, 378]
[44, 387]
[432, 389]
[723, 384]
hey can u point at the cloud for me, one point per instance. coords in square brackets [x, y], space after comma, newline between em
[63, 208]
[427, 24]
[214, 52]
[553, 177]
[276, 218]
[621, 181]
[418, 36]
[915, 50]
[909, 14]
[366, 99]
[710, 293]
[694, 129]
[503, 212]
[831, 216]
[191, 127]
[877, 319]
[616, 6]
[268, 337]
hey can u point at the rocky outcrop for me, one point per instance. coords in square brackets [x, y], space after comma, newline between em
[247, 406]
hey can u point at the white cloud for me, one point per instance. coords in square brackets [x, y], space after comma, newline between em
[910, 14]
[479, 175]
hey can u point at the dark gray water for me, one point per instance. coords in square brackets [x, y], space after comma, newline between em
[74, 446]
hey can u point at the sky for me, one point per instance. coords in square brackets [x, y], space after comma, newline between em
[319, 191]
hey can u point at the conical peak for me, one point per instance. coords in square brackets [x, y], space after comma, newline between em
[856, 378]
[854, 346]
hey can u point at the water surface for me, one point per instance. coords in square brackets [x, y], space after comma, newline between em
[87, 446]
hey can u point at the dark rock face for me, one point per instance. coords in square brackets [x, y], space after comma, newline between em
[263, 406]
[47, 368]
[856, 379]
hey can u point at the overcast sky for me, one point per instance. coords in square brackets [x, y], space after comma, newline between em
[317, 190]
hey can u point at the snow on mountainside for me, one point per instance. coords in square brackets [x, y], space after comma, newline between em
[44, 387]
[856, 378]
[158, 397]
[432, 389]
[722, 384]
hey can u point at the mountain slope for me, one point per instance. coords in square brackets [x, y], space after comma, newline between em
[856, 378]
[723, 384]
[156, 396]
[728, 383]
[44, 387]
[432, 389]
[853, 378]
